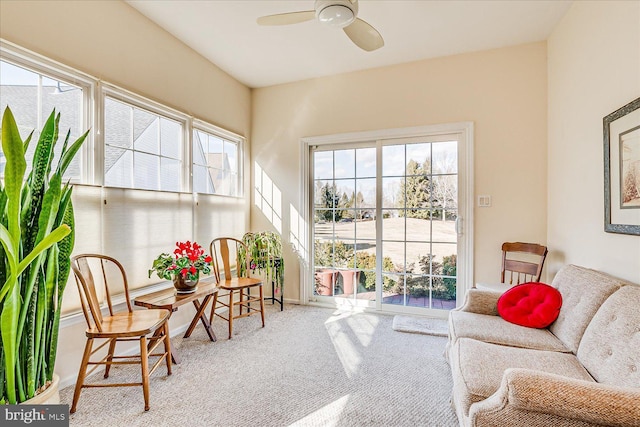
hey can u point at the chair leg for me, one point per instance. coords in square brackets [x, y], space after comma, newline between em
[112, 349]
[212, 315]
[167, 347]
[81, 374]
[144, 361]
[231, 313]
[262, 305]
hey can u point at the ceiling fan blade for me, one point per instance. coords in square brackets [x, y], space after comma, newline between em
[364, 35]
[287, 18]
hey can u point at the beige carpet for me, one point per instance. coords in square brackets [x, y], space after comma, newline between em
[309, 366]
[420, 325]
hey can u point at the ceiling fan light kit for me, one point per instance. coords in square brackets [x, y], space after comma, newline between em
[335, 13]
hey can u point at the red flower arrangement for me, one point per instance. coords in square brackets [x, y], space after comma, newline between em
[188, 260]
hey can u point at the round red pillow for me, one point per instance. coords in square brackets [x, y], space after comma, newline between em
[535, 305]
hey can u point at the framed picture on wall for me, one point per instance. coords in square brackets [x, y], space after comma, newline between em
[622, 170]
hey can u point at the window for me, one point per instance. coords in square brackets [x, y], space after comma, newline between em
[215, 164]
[135, 145]
[142, 148]
[32, 96]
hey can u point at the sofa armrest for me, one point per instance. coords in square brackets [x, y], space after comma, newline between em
[526, 391]
[481, 302]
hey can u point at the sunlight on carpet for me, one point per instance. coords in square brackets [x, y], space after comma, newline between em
[308, 366]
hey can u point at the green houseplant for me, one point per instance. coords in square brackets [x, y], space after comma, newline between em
[36, 231]
[265, 249]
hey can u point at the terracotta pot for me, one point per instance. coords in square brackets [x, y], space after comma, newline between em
[325, 280]
[49, 396]
[184, 286]
[349, 280]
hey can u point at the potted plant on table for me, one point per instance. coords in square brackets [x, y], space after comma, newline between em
[183, 266]
[37, 236]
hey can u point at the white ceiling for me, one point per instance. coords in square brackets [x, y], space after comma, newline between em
[226, 33]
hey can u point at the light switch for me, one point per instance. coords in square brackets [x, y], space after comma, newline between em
[484, 201]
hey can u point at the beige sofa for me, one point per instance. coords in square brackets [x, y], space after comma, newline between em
[584, 370]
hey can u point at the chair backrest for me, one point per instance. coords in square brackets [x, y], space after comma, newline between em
[518, 268]
[229, 254]
[84, 266]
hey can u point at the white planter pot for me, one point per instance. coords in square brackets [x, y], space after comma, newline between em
[50, 395]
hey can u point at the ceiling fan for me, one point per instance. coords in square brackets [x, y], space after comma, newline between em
[335, 13]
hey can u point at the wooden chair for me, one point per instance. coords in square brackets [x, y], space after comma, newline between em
[221, 250]
[127, 325]
[522, 270]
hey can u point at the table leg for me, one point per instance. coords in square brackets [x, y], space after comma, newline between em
[200, 314]
[174, 357]
[157, 335]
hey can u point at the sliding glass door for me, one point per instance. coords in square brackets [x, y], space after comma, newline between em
[385, 222]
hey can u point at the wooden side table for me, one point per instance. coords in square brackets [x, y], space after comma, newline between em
[168, 299]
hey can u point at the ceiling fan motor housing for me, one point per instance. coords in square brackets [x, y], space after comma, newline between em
[336, 13]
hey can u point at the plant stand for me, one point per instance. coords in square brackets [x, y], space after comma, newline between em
[265, 250]
[272, 298]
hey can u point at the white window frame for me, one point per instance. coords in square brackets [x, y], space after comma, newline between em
[227, 136]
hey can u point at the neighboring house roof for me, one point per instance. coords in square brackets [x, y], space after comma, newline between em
[220, 167]
[23, 101]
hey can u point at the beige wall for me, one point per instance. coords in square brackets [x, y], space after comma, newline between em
[503, 91]
[594, 69]
[112, 41]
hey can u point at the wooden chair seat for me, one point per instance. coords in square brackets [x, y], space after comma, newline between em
[134, 324]
[115, 327]
[239, 283]
[221, 250]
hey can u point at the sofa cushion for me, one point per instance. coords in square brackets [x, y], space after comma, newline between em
[477, 368]
[583, 292]
[610, 347]
[534, 305]
[496, 330]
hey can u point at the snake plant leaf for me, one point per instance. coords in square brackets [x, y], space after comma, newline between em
[9, 246]
[37, 181]
[55, 236]
[68, 154]
[50, 205]
[56, 129]
[44, 309]
[26, 343]
[64, 266]
[8, 324]
[3, 201]
[27, 141]
[3, 399]
[13, 149]
[11, 313]
[48, 213]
